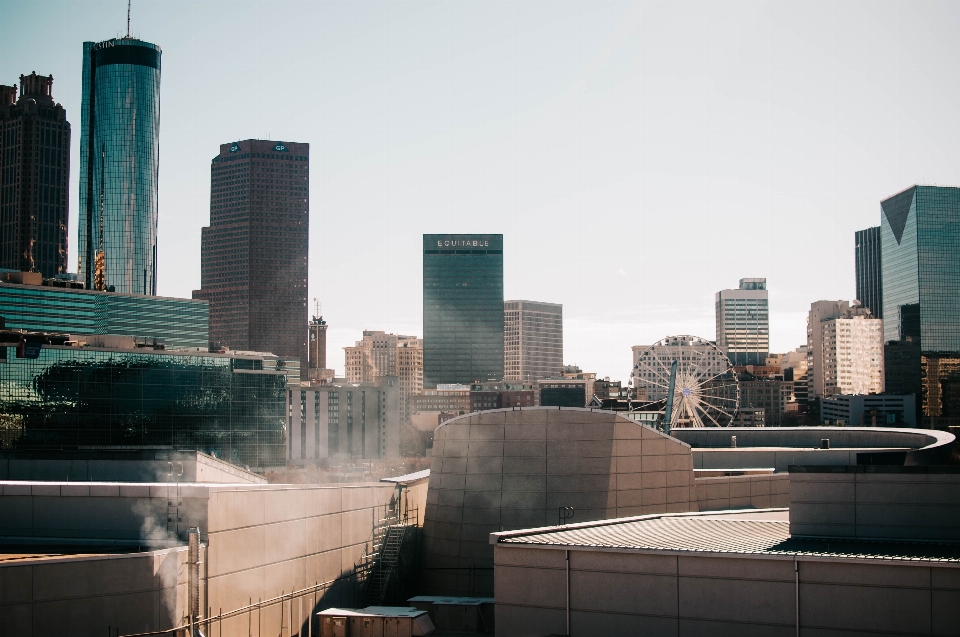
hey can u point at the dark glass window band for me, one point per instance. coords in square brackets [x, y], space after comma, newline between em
[139, 55]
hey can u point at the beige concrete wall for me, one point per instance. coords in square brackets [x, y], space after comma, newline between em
[140, 466]
[265, 542]
[105, 512]
[512, 469]
[262, 540]
[632, 593]
[877, 502]
[89, 595]
[739, 492]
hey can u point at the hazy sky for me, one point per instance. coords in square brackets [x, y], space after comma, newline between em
[636, 156]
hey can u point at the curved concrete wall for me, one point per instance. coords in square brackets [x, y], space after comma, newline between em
[779, 447]
[512, 469]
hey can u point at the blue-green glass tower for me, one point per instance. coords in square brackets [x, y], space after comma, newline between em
[119, 156]
[920, 234]
[462, 308]
[920, 243]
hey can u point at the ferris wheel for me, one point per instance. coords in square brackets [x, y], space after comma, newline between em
[705, 389]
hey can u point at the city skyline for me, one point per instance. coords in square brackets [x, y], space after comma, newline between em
[681, 160]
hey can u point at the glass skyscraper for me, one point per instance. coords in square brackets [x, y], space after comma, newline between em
[867, 257]
[743, 322]
[920, 235]
[462, 308]
[119, 155]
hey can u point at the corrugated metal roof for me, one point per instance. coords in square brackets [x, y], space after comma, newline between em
[703, 534]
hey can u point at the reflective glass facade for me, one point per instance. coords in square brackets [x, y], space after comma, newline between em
[920, 235]
[180, 322]
[119, 156]
[920, 238]
[867, 258]
[73, 398]
[462, 308]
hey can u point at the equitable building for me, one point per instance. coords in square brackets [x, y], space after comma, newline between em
[462, 308]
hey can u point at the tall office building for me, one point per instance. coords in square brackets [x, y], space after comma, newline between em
[920, 236]
[253, 255]
[462, 308]
[867, 256]
[532, 340]
[119, 165]
[34, 178]
[380, 355]
[743, 322]
[373, 357]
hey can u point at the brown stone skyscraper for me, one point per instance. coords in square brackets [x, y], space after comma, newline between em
[253, 259]
[34, 178]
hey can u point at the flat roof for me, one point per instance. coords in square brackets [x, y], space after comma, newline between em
[750, 532]
[416, 476]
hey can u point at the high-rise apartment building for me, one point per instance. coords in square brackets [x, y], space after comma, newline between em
[920, 237]
[374, 356]
[253, 255]
[119, 165]
[844, 350]
[409, 373]
[462, 308]
[743, 322]
[532, 340]
[380, 354]
[34, 178]
[867, 257]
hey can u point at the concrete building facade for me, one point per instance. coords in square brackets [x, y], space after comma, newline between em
[844, 350]
[532, 340]
[874, 410]
[381, 354]
[349, 420]
[34, 178]
[260, 541]
[743, 322]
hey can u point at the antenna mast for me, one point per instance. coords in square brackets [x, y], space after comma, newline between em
[128, 18]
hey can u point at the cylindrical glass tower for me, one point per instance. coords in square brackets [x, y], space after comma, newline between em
[119, 159]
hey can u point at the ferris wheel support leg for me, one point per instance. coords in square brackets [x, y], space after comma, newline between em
[668, 410]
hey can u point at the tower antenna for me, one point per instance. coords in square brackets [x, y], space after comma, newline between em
[128, 18]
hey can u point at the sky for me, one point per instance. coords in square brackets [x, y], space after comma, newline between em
[637, 156]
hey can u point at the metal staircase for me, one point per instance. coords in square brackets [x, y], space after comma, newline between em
[379, 565]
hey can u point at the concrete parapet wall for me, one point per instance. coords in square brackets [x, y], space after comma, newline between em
[921, 503]
[738, 492]
[85, 596]
[121, 466]
[261, 540]
[261, 543]
[650, 594]
[778, 458]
